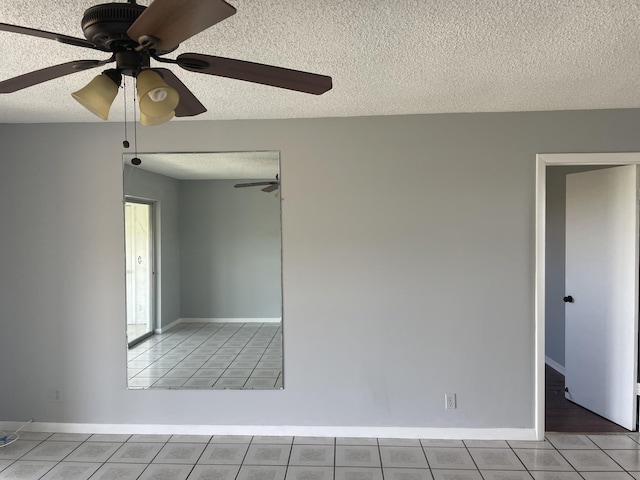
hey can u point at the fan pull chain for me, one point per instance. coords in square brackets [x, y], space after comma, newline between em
[125, 142]
[135, 160]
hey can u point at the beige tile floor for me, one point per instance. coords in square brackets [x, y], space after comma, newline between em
[192, 457]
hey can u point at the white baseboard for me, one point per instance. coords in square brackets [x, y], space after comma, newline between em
[553, 364]
[167, 327]
[285, 430]
[230, 320]
[216, 320]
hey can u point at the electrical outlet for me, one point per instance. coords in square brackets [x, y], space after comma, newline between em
[56, 394]
[450, 401]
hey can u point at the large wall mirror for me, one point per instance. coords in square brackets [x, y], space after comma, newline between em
[203, 270]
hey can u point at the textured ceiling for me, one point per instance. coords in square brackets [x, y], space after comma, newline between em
[386, 57]
[211, 166]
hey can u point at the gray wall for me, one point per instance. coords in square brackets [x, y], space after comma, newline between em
[165, 191]
[555, 258]
[230, 251]
[219, 247]
[408, 253]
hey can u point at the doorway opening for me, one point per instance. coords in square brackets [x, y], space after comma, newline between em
[544, 160]
[140, 270]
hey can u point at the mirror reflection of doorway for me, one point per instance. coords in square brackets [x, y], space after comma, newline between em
[140, 272]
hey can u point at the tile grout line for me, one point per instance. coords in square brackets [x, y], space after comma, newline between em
[519, 459]
[286, 468]
[566, 459]
[471, 456]
[380, 457]
[262, 355]
[335, 456]
[424, 454]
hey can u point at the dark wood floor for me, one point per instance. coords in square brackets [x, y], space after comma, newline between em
[565, 416]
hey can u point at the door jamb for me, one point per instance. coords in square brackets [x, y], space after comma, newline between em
[542, 161]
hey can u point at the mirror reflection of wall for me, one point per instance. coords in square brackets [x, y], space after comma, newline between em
[215, 236]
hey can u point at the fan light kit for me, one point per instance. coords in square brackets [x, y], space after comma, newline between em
[134, 35]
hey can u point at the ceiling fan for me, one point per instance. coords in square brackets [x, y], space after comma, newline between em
[135, 34]
[269, 186]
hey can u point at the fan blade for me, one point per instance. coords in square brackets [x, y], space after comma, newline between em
[189, 105]
[39, 76]
[174, 21]
[78, 42]
[256, 73]
[253, 184]
[270, 188]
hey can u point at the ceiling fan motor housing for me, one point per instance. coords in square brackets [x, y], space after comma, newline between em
[130, 62]
[106, 25]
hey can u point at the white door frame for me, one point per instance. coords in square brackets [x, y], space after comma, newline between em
[542, 161]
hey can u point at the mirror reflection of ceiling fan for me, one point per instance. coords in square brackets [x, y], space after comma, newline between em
[134, 35]
[269, 186]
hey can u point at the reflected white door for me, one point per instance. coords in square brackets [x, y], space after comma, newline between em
[602, 280]
[139, 269]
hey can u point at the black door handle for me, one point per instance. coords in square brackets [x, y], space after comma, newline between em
[568, 299]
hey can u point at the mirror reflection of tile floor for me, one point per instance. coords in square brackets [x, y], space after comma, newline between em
[61, 456]
[209, 355]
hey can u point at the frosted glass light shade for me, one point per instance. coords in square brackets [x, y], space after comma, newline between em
[98, 95]
[156, 98]
[151, 121]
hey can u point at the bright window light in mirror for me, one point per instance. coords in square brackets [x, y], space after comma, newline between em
[139, 260]
[217, 270]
